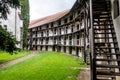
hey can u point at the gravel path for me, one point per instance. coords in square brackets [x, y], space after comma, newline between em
[9, 63]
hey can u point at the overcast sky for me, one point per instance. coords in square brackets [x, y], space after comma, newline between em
[42, 8]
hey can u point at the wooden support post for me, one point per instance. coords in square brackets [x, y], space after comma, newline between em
[85, 36]
[31, 39]
[92, 54]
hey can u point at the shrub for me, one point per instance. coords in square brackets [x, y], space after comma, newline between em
[7, 41]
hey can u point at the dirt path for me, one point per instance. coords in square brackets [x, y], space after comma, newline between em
[84, 74]
[6, 64]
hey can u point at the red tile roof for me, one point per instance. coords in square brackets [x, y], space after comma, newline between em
[48, 19]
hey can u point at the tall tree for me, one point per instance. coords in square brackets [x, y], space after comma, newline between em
[25, 13]
[4, 7]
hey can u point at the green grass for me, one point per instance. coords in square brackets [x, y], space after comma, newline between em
[4, 56]
[45, 66]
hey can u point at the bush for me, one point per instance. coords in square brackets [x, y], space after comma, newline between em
[7, 41]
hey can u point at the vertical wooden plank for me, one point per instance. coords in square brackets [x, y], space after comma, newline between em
[85, 34]
[92, 54]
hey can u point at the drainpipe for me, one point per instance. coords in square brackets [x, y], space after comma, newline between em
[15, 22]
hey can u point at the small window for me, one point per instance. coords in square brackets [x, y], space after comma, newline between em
[5, 27]
[116, 8]
[65, 21]
[47, 26]
[11, 33]
[60, 30]
[21, 31]
[59, 23]
[71, 17]
[71, 29]
[42, 34]
[52, 24]
[54, 31]
[66, 30]
[78, 12]
[78, 27]
[47, 33]
[20, 15]
[39, 28]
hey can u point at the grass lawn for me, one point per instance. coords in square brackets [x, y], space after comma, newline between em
[4, 56]
[45, 66]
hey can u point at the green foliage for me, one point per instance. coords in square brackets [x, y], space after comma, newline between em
[4, 10]
[5, 56]
[4, 6]
[25, 13]
[45, 66]
[7, 41]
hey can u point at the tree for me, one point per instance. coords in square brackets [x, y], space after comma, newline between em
[4, 10]
[4, 7]
[25, 14]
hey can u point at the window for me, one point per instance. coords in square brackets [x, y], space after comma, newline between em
[78, 12]
[116, 8]
[78, 27]
[41, 34]
[47, 40]
[5, 27]
[71, 28]
[71, 17]
[11, 33]
[47, 33]
[20, 15]
[60, 30]
[59, 23]
[52, 24]
[54, 31]
[39, 28]
[21, 32]
[65, 21]
[41, 41]
[66, 30]
[47, 26]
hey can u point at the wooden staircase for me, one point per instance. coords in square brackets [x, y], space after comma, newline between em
[106, 62]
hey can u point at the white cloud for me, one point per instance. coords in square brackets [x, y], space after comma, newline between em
[41, 8]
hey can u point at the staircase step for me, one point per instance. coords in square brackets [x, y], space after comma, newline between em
[105, 70]
[105, 33]
[100, 20]
[104, 37]
[108, 54]
[107, 59]
[98, 1]
[106, 48]
[98, 8]
[104, 17]
[99, 43]
[103, 28]
[107, 66]
[104, 79]
[105, 76]
[105, 14]
[107, 73]
[102, 24]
